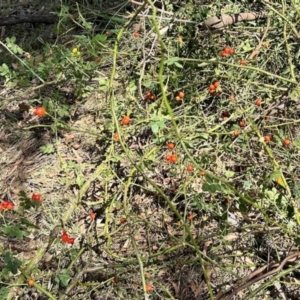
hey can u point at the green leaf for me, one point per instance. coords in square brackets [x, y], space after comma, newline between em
[4, 69]
[100, 38]
[26, 202]
[296, 143]
[275, 174]
[178, 65]
[148, 84]
[12, 263]
[73, 254]
[204, 135]
[272, 194]
[172, 61]
[47, 149]
[154, 127]
[131, 87]
[229, 174]
[29, 224]
[161, 124]
[4, 293]
[295, 94]
[14, 231]
[212, 188]
[63, 277]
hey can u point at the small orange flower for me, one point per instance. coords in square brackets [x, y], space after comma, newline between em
[216, 84]
[258, 102]
[170, 145]
[93, 215]
[125, 120]
[169, 157]
[236, 133]
[174, 158]
[242, 123]
[149, 288]
[123, 220]
[30, 282]
[181, 94]
[114, 280]
[190, 168]
[116, 137]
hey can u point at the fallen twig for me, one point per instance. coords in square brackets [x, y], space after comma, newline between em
[215, 23]
[256, 276]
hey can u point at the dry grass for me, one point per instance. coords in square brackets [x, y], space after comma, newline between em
[189, 236]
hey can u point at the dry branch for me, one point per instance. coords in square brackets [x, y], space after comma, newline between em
[46, 19]
[214, 23]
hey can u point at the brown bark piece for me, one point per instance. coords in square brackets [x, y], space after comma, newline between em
[214, 23]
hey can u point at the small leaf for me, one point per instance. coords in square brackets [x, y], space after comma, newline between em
[295, 94]
[4, 293]
[204, 135]
[154, 128]
[229, 174]
[12, 263]
[274, 175]
[178, 65]
[29, 224]
[14, 231]
[214, 187]
[296, 143]
[100, 38]
[63, 277]
[47, 149]
[171, 61]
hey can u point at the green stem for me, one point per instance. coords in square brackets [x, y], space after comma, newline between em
[22, 62]
[38, 286]
[214, 61]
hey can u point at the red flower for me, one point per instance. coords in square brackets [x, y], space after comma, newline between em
[6, 205]
[66, 239]
[10, 206]
[93, 215]
[36, 197]
[70, 240]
